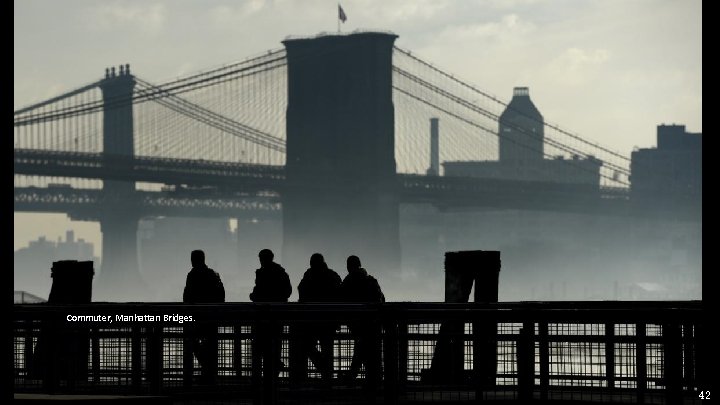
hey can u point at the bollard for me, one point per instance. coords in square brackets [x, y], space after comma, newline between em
[72, 282]
[526, 362]
[673, 372]
[62, 350]
[462, 270]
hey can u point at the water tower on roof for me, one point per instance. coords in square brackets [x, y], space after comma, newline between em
[521, 129]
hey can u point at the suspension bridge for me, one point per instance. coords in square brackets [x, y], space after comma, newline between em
[329, 132]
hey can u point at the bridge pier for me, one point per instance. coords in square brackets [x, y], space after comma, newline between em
[341, 195]
[119, 278]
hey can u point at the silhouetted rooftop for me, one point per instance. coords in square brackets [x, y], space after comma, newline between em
[521, 105]
[324, 34]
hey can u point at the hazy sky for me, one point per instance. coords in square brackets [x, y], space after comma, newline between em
[610, 70]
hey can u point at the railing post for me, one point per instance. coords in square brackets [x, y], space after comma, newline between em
[610, 354]
[237, 351]
[266, 351]
[688, 339]
[95, 347]
[640, 362]
[69, 365]
[256, 377]
[485, 331]
[704, 377]
[402, 354]
[298, 362]
[391, 361]
[672, 375]
[155, 357]
[29, 349]
[484, 359]
[188, 361]
[49, 336]
[544, 351]
[136, 357]
[526, 361]
[43, 365]
[270, 368]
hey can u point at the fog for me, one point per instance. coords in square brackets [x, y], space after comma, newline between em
[545, 256]
[556, 256]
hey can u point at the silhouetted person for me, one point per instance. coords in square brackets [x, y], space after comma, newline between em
[272, 284]
[203, 285]
[360, 287]
[319, 284]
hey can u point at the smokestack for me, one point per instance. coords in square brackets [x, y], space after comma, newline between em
[434, 169]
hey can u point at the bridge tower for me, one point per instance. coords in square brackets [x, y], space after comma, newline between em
[341, 197]
[119, 219]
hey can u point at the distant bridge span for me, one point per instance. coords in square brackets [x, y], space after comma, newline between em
[228, 178]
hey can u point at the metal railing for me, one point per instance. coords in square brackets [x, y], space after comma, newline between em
[641, 352]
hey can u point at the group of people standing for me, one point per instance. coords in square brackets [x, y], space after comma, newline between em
[319, 284]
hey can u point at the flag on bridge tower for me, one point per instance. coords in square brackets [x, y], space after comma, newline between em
[341, 13]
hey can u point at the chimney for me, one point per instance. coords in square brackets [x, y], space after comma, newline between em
[434, 169]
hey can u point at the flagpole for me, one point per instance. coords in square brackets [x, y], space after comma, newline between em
[338, 18]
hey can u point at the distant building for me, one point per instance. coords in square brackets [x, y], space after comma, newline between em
[670, 173]
[521, 151]
[32, 264]
[74, 250]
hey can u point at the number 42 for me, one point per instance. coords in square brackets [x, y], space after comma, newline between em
[704, 395]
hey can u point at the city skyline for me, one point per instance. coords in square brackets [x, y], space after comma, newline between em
[609, 71]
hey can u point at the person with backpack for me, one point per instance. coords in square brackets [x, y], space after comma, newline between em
[360, 287]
